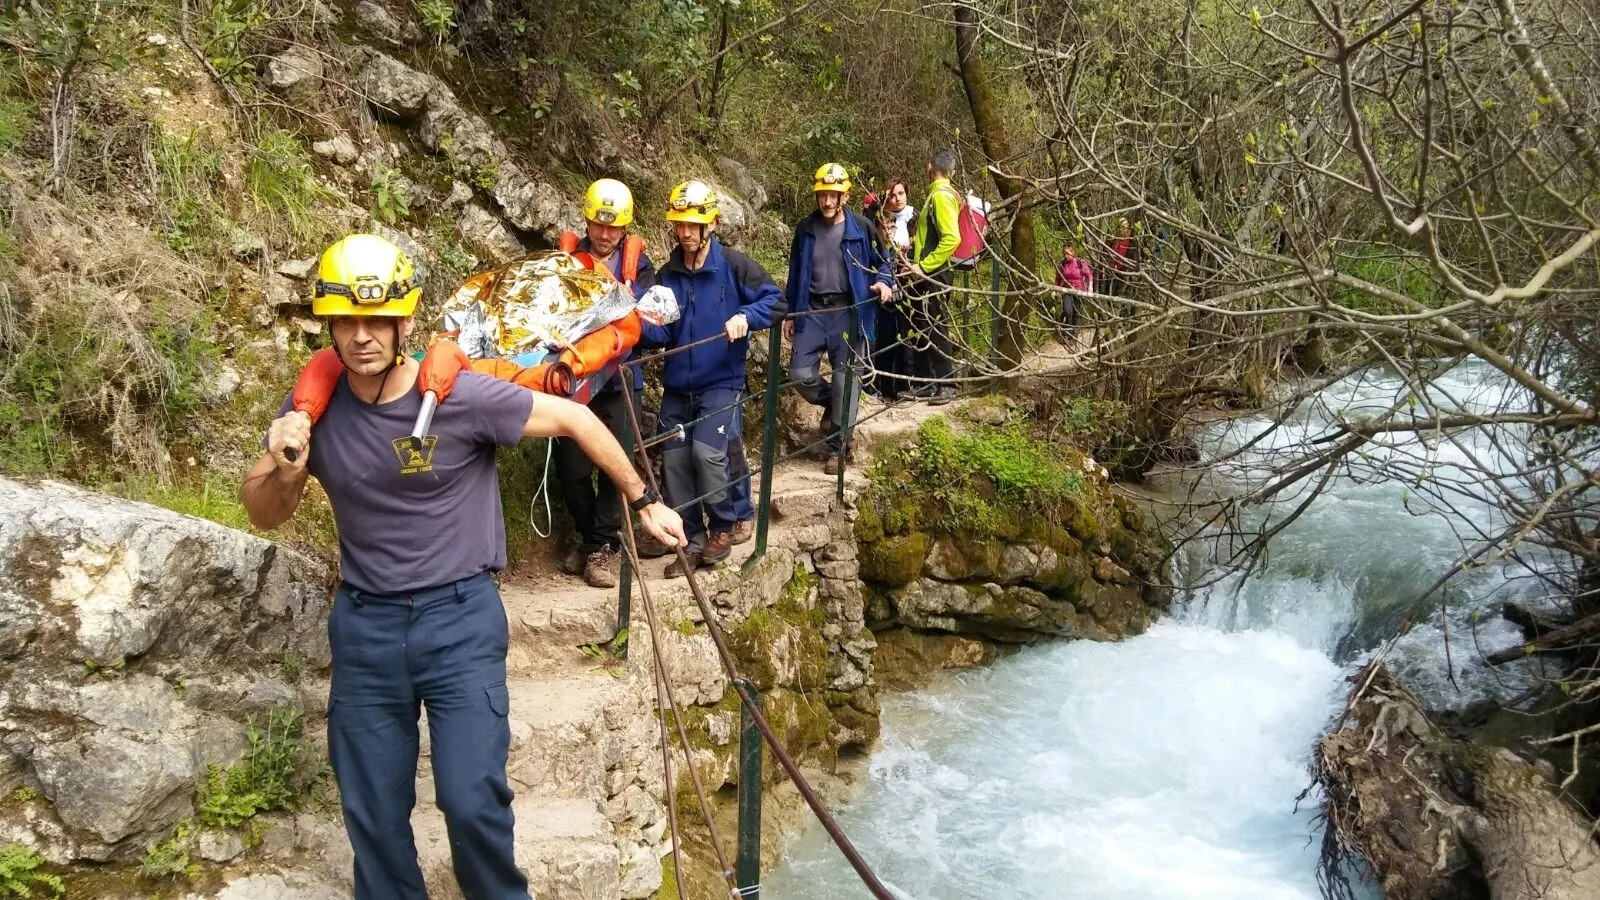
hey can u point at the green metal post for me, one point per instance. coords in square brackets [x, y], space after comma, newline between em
[769, 439]
[747, 865]
[994, 305]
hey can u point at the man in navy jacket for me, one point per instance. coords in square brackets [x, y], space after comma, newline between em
[835, 263]
[721, 292]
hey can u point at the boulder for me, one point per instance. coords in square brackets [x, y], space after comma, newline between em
[376, 19]
[742, 182]
[339, 149]
[394, 90]
[296, 73]
[486, 235]
[1014, 614]
[102, 600]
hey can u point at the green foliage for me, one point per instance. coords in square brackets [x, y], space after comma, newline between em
[1403, 274]
[282, 184]
[225, 33]
[187, 172]
[438, 17]
[389, 200]
[215, 497]
[977, 481]
[20, 874]
[66, 34]
[14, 123]
[265, 779]
[292, 666]
[170, 858]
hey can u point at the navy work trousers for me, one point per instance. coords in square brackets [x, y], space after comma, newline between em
[695, 466]
[392, 653]
[591, 498]
[816, 336]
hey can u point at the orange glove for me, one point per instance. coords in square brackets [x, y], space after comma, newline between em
[440, 365]
[314, 387]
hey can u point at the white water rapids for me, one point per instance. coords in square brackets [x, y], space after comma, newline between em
[1167, 766]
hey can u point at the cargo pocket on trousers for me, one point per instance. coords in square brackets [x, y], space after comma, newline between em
[499, 699]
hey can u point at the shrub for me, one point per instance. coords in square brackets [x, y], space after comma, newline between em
[267, 778]
[20, 874]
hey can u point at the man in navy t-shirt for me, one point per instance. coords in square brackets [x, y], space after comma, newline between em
[418, 618]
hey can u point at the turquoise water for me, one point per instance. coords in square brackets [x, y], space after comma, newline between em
[1168, 766]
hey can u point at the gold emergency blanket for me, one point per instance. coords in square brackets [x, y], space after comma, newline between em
[546, 299]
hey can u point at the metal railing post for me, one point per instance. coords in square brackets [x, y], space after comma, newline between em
[994, 305]
[769, 438]
[747, 865]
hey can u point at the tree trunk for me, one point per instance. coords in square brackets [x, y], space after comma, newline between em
[997, 150]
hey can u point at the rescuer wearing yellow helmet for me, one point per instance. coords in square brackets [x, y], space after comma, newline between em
[836, 265]
[417, 619]
[596, 511]
[719, 291]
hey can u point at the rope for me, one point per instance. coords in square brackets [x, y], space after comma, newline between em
[752, 708]
[543, 491]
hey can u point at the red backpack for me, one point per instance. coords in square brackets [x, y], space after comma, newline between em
[972, 223]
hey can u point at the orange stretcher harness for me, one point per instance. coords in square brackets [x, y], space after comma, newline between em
[574, 372]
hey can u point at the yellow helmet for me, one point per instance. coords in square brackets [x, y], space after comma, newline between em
[609, 202]
[364, 275]
[693, 201]
[831, 177]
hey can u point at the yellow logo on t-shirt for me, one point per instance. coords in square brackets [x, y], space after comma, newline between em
[414, 461]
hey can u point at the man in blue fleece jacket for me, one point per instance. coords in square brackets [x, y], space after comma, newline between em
[720, 291]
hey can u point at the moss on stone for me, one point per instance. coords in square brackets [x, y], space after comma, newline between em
[894, 560]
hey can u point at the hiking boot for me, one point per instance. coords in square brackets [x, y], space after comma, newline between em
[743, 531]
[831, 465]
[675, 568]
[648, 547]
[942, 396]
[719, 546]
[603, 567]
[573, 563]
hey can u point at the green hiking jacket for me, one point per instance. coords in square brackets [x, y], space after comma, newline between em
[938, 231]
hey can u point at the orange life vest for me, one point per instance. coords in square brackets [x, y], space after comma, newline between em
[632, 252]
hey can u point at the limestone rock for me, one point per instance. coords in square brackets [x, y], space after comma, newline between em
[487, 236]
[220, 846]
[460, 195]
[742, 182]
[339, 149]
[394, 90]
[296, 72]
[692, 661]
[295, 886]
[1014, 614]
[298, 269]
[641, 874]
[375, 19]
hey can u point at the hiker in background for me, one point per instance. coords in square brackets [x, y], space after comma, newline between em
[723, 296]
[927, 277]
[1075, 276]
[1122, 259]
[836, 263]
[891, 209]
[590, 495]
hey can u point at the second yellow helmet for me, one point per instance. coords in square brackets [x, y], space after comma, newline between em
[693, 201]
[609, 202]
[831, 177]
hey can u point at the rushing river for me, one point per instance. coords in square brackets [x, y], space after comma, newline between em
[1168, 766]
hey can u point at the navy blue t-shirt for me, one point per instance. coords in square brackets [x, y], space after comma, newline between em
[409, 519]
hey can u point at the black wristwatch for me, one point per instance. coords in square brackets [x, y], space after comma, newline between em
[650, 495]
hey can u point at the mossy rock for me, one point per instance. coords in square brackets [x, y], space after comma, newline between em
[894, 560]
[869, 525]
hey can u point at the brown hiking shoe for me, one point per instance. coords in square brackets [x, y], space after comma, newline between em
[650, 548]
[831, 465]
[675, 568]
[719, 546]
[603, 567]
[743, 531]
